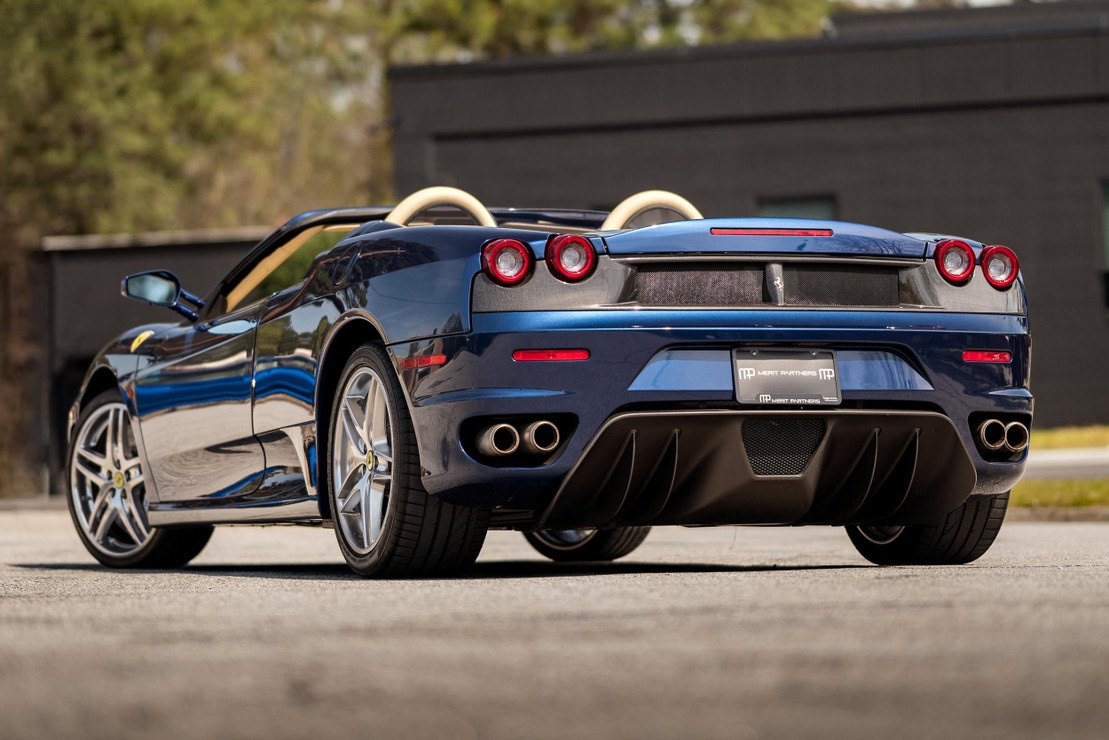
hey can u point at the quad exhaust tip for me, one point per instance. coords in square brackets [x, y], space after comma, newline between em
[498, 440]
[1016, 436]
[501, 440]
[994, 434]
[539, 437]
[991, 434]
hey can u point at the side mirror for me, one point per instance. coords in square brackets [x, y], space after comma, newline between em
[160, 288]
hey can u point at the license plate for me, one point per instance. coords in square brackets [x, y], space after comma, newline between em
[786, 377]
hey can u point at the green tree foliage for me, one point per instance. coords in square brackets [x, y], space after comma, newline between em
[718, 21]
[133, 115]
[130, 115]
[122, 115]
[461, 30]
[457, 30]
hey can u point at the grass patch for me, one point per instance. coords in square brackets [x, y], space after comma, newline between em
[1064, 493]
[1060, 493]
[1065, 438]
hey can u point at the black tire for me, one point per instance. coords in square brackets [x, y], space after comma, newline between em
[107, 494]
[962, 536]
[416, 534]
[583, 545]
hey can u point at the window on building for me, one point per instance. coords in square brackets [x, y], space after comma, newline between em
[813, 206]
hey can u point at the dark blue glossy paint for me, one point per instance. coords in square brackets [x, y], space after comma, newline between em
[234, 400]
[697, 237]
[900, 358]
[158, 396]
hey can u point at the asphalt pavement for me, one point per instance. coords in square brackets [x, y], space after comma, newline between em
[713, 633]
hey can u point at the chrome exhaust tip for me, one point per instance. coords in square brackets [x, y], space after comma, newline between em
[498, 440]
[539, 437]
[992, 434]
[1016, 437]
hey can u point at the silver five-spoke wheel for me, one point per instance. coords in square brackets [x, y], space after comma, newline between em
[385, 522]
[107, 483]
[108, 494]
[362, 461]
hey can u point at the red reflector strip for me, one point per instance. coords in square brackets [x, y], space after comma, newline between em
[550, 355]
[981, 355]
[771, 232]
[425, 361]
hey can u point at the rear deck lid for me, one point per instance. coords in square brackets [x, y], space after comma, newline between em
[785, 236]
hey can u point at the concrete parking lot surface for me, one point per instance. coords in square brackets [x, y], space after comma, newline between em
[721, 633]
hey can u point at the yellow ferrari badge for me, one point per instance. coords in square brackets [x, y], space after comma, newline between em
[137, 342]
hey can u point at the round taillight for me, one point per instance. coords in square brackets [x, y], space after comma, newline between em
[1000, 266]
[570, 257]
[955, 260]
[506, 261]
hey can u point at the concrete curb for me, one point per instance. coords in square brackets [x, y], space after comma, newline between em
[1091, 462]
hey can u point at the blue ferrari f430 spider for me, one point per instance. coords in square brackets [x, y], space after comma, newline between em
[414, 376]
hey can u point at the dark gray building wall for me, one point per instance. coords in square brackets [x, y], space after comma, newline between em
[999, 137]
[83, 275]
[1035, 15]
[83, 308]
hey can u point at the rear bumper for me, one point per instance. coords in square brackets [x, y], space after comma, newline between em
[901, 376]
[765, 467]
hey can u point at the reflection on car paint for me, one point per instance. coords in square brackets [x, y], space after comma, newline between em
[230, 410]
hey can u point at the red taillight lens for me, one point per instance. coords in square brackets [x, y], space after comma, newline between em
[987, 355]
[550, 355]
[570, 257]
[955, 260]
[1000, 266]
[506, 261]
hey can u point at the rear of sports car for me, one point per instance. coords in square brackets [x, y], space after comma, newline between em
[732, 372]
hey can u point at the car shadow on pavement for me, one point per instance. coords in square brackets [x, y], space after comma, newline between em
[542, 569]
[487, 570]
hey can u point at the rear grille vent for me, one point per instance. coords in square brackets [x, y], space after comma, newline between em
[840, 285]
[781, 446]
[700, 285]
[724, 284]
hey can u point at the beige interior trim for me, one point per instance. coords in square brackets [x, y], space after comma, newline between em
[274, 259]
[440, 195]
[636, 204]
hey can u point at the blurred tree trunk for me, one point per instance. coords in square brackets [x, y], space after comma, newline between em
[21, 365]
